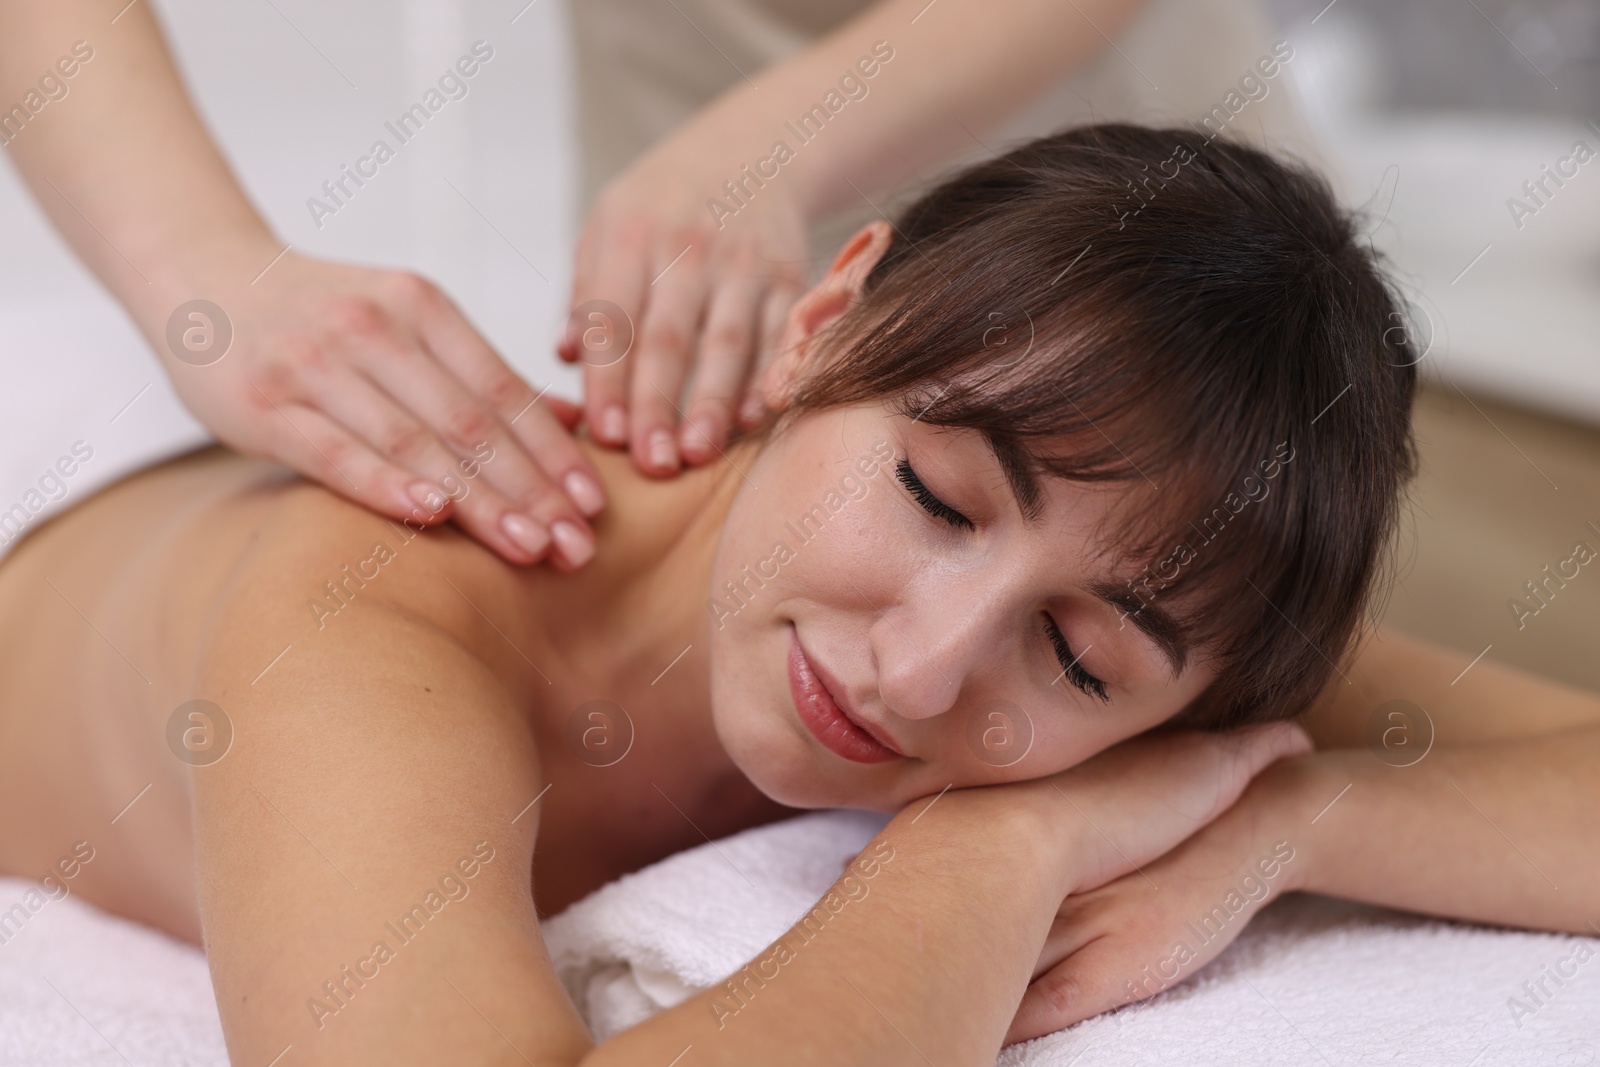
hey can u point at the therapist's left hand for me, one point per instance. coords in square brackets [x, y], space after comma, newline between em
[373, 383]
[663, 289]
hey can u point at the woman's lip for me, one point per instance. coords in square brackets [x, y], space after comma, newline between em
[840, 734]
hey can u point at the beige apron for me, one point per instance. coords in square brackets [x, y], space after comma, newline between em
[645, 66]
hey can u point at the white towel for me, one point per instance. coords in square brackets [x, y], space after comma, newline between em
[81, 988]
[1312, 980]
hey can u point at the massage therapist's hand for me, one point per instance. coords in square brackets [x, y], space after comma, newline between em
[368, 381]
[1155, 927]
[374, 384]
[662, 290]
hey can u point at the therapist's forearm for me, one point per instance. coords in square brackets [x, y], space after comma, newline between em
[121, 163]
[962, 63]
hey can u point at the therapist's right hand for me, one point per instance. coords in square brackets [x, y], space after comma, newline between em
[374, 384]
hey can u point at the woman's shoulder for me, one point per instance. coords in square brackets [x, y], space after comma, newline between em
[320, 568]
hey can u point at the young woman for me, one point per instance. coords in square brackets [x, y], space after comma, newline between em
[1105, 435]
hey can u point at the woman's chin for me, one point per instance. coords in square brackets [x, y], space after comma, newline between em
[781, 765]
[794, 772]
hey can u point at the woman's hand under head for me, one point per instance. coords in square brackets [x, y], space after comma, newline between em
[1151, 928]
[887, 623]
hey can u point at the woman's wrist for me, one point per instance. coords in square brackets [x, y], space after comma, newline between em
[1027, 818]
[1284, 804]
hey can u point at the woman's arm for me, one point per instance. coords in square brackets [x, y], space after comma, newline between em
[364, 847]
[1487, 814]
[924, 947]
[381, 757]
[1496, 823]
[368, 381]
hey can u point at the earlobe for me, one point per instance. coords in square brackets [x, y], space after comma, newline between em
[835, 294]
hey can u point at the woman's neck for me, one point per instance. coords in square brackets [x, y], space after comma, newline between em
[632, 627]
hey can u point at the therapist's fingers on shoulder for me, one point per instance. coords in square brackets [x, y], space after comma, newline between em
[563, 411]
[411, 451]
[540, 423]
[774, 313]
[609, 294]
[662, 358]
[726, 353]
[427, 473]
[537, 422]
[507, 499]
[323, 450]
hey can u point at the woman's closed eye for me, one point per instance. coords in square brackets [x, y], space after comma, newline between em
[924, 496]
[1070, 667]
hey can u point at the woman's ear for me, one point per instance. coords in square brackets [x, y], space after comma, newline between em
[838, 291]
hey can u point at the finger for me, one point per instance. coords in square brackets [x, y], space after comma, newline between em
[727, 349]
[1075, 924]
[539, 422]
[514, 488]
[774, 316]
[1245, 753]
[1081, 987]
[325, 452]
[661, 362]
[606, 340]
[360, 407]
[565, 411]
[1136, 801]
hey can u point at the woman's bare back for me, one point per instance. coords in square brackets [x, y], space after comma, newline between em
[102, 612]
[106, 616]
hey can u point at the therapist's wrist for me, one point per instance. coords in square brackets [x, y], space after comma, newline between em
[215, 262]
[737, 140]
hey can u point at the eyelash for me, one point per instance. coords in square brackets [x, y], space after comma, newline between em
[1075, 673]
[924, 496]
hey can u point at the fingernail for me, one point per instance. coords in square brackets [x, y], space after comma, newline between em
[525, 532]
[696, 435]
[575, 545]
[428, 495]
[584, 492]
[614, 424]
[661, 450]
[751, 409]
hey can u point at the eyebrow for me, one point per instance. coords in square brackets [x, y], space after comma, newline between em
[1020, 475]
[1154, 622]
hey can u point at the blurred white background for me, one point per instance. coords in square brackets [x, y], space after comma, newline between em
[1437, 112]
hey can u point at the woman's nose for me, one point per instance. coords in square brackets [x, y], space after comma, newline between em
[930, 647]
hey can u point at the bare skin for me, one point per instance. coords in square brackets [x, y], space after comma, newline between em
[150, 560]
[423, 732]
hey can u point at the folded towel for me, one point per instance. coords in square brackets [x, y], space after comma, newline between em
[1312, 980]
[81, 988]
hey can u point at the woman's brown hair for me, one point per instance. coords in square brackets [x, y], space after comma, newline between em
[1184, 316]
